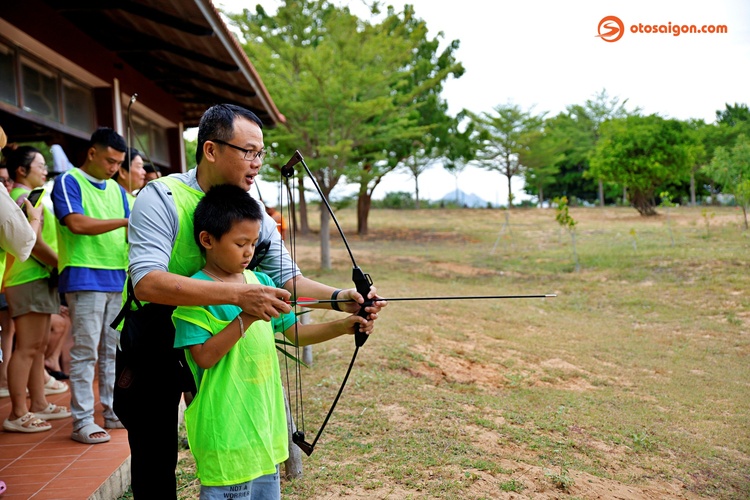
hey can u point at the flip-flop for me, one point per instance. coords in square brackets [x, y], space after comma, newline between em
[83, 435]
[27, 423]
[53, 412]
[113, 423]
[2, 487]
[53, 386]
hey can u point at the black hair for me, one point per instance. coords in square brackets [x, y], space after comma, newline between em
[108, 138]
[223, 206]
[150, 167]
[133, 153]
[218, 123]
[21, 156]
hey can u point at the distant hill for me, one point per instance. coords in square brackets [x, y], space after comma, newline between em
[462, 198]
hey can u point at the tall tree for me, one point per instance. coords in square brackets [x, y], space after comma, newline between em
[733, 115]
[419, 87]
[541, 158]
[502, 136]
[642, 153]
[731, 169]
[336, 79]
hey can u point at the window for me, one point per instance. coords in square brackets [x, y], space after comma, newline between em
[39, 90]
[152, 137]
[78, 106]
[43, 89]
[7, 75]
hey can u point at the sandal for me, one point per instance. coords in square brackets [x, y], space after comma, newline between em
[53, 386]
[27, 423]
[85, 433]
[113, 423]
[53, 412]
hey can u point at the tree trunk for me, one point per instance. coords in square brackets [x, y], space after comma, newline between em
[692, 189]
[304, 225]
[624, 195]
[293, 464]
[744, 213]
[325, 238]
[601, 193]
[416, 192]
[510, 193]
[364, 202]
[541, 196]
[643, 203]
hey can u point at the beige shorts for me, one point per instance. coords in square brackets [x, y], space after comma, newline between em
[34, 296]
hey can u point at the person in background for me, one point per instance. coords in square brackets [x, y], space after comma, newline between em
[6, 322]
[60, 341]
[131, 175]
[32, 299]
[152, 172]
[93, 212]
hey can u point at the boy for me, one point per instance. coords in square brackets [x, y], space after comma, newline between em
[236, 424]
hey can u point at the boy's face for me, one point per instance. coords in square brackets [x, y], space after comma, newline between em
[233, 252]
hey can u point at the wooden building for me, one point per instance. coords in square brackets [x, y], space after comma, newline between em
[69, 66]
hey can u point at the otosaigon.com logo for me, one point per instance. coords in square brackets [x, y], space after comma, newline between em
[611, 29]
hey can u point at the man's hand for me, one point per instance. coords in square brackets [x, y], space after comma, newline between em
[264, 302]
[353, 307]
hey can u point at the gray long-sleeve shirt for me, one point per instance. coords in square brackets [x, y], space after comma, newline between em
[153, 227]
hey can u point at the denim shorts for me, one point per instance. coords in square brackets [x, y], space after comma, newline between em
[262, 488]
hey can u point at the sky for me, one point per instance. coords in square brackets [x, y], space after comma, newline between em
[544, 55]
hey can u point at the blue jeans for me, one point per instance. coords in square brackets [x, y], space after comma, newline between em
[262, 488]
[94, 344]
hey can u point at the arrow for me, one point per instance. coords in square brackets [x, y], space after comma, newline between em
[306, 301]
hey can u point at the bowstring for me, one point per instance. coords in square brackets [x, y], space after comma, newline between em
[299, 410]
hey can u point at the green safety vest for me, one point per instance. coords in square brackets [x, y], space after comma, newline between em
[31, 269]
[101, 251]
[236, 424]
[186, 258]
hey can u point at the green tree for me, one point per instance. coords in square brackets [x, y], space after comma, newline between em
[579, 130]
[733, 116]
[731, 169]
[501, 137]
[420, 83]
[541, 158]
[337, 80]
[642, 153]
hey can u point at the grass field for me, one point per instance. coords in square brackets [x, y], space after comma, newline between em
[633, 383]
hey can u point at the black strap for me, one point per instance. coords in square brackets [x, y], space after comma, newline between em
[130, 299]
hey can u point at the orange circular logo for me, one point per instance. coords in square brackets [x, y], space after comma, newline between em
[611, 29]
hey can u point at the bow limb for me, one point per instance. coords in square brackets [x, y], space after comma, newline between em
[362, 283]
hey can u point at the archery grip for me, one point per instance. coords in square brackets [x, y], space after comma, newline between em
[362, 283]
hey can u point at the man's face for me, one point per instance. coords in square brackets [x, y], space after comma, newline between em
[5, 178]
[103, 162]
[230, 166]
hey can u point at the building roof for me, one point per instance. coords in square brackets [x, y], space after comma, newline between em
[181, 45]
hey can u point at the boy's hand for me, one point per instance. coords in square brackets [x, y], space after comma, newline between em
[354, 321]
[264, 302]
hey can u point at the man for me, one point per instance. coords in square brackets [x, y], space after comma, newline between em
[151, 374]
[93, 212]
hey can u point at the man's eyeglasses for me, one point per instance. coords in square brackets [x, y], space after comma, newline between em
[250, 155]
[4, 180]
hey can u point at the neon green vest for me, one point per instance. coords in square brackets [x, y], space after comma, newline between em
[101, 251]
[3, 256]
[186, 258]
[236, 424]
[31, 269]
